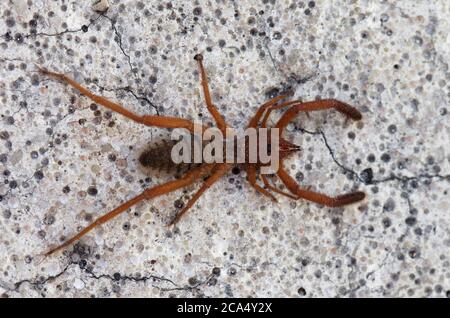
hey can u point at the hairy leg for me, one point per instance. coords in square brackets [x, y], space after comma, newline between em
[271, 187]
[340, 200]
[220, 121]
[290, 114]
[255, 119]
[158, 190]
[274, 107]
[219, 171]
[149, 120]
[251, 175]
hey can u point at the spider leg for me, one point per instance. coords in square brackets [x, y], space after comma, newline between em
[340, 200]
[149, 120]
[220, 121]
[274, 107]
[346, 109]
[271, 187]
[255, 119]
[158, 190]
[219, 171]
[251, 174]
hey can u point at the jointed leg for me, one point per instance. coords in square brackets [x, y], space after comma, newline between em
[188, 178]
[149, 120]
[274, 107]
[318, 197]
[220, 170]
[255, 120]
[271, 187]
[220, 122]
[347, 110]
[251, 175]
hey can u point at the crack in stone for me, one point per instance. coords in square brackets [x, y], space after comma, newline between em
[132, 92]
[38, 283]
[391, 177]
[32, 35]
[119, 39]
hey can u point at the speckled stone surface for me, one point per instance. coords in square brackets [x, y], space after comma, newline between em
[65, 161]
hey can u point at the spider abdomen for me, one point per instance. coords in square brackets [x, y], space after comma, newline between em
[158, 157]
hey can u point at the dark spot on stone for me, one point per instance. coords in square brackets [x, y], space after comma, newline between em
[4, 135]
[13, 184]
[66, 189]
[39, 175]
[10, 22]
[192, 281]
[82, 263]
[389, 205]
[126, 226]
[178, 204]
[92, 190]
[318, 273]
[392, 129]
[84, 28]
[385, 157]
[387, 222]
[153, 79]
[6, 213]
[305, 262]
[301, 291]
[371, 158]
[10, 120]
[335, 221]
[116, 276]
[49, 219]
[277, 35]
[236, 170]
[413, 253]
[367, 175]
[232, 271]
[197, 11]
[411, 221]
[216, 271]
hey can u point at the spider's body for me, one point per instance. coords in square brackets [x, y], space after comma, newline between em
[159, 156]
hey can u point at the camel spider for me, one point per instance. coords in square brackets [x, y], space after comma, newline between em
[212, 172]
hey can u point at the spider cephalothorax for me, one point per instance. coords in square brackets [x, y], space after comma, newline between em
[211, 172]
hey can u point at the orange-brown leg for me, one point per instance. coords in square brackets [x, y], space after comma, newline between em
[340, 200]
[255, 119]
[271, 187]
[220, 121]
[149, 120]
[344, 108]
[219, 171]
[158, 190]
[274, 107]
[251, 175]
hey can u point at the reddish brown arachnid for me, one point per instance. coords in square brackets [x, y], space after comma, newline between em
[211, 172]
